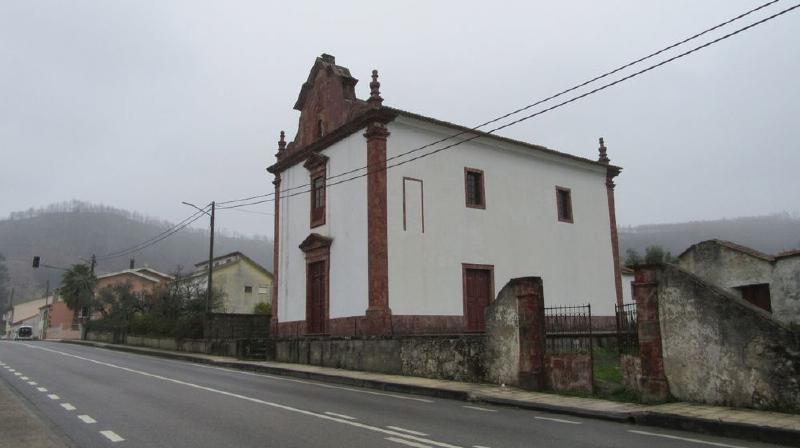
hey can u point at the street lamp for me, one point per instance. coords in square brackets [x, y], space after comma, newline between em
[210, 249]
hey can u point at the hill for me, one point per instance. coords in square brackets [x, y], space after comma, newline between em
[770, 234]
[62, 233]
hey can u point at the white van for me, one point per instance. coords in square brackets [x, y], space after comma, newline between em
[24, 332]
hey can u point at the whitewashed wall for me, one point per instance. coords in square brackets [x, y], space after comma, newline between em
[345, 222]
[518, 232]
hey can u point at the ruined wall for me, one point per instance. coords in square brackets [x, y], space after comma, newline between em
[785, 290]
[502, 345]
[569, 372]
[719, 349]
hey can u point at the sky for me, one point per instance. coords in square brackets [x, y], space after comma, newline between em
[141, 104]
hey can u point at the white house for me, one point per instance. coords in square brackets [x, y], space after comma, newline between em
[371, 242]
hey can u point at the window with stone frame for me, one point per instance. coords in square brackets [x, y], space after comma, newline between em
[564, 204]
[473, 188]
[316, 166]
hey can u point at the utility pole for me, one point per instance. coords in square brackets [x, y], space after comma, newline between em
[209, 286]
[10, 324]
[210, 259]
[94, 262]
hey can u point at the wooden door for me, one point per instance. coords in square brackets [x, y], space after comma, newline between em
[477, 295]
[316, 297]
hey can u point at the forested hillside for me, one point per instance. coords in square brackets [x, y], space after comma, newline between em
[770, 234]
[62, 233]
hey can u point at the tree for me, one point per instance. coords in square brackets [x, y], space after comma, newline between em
[262, 308]
[632, 258]
[656, 254]
[77, 288]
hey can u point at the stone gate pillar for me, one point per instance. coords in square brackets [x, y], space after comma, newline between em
[653, 384]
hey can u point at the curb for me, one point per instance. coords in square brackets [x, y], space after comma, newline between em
[645, 418]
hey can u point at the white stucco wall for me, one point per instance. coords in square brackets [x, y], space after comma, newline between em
[518, 232]
[345, 222]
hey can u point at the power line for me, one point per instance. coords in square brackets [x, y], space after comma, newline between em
[154, 239]
[548, 109]
[527, 107]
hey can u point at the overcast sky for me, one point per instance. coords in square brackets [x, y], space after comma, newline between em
[144, 104]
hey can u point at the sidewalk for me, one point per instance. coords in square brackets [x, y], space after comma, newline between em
[20, 426]
[773, 427]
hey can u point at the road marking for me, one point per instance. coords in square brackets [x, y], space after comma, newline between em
[559, 420]
[53, 397]
[24, 378]
[68, 406]
[312, 383]
[406, 442]
[416, 433]
[252, 399]
[479, 446]
[346, 417]
[11, 370]
[41, 389]
[686, 439]
[87, 419]
[112, 436]
[17, 373]
[476, 408]
[32, 383]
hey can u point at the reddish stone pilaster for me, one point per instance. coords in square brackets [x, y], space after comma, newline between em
[276, 238]
[611, 173]
[379, 316]
[530, 306]
[653, 384]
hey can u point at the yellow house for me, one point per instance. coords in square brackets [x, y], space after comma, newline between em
[243, 282]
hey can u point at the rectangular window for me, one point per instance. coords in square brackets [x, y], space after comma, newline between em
[248, 289]
[473, 185]
[758, 295]
[564, 203]
[263, 290]
[318, 201]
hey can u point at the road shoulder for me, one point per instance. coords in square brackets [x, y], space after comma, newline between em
[23, 426]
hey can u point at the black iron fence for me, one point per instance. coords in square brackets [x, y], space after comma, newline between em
[568, 329]
[627, 330]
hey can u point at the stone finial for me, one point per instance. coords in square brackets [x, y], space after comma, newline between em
[282, 142]
[329, 58]
[603, 156]
[374, 91]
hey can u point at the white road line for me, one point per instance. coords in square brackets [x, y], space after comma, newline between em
[686, 439]
[479, 446]
[11, 370]
[253, 400]
[68, 406]
[416, 433]
[312, 383]
[24, 378]
[41, 389]
[112, 436]
[32, 383]
[476, 408]
[87, 419]
[18, 373]
[53, 397]
[346, 417]
[559, 420]
[406, 442]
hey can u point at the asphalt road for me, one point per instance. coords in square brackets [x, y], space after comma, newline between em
[99, 398]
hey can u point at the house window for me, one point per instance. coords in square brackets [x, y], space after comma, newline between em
[758, 295]
[564, 203]
[263, 290]
[318, 201]
[473, 186]
[248, 289]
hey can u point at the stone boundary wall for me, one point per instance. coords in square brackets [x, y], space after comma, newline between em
[711, 346]
[569, 372]
[236, 326]
[223, 347]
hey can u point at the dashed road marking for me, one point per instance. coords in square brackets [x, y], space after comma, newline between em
[24, 378]
[416, 433]
[407, 443]
[41, 389]
[32, 383]
[112, 436]
[17, 373]
[558, 420]
[11, 370]
[476, 408]
[346, 417]
[87, 419]
[283, 407]
[68, 406]
[53, 397]
[479, 446]
[685, 439]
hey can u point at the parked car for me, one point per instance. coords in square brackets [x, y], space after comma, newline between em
[24, 332]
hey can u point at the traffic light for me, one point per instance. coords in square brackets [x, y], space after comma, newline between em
[36, 262]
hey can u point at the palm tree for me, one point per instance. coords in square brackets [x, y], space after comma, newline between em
[77, 288]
